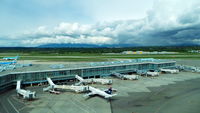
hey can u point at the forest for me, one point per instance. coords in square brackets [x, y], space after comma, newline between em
[37, 50]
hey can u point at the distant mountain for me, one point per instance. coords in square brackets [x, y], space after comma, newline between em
[187, 44]
[86, 45]
[69, 45]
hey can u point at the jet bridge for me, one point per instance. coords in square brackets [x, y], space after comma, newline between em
[172, 71]
[27, 94]
[126, 77]
[93, 80]
[53, 86]
[188, 68]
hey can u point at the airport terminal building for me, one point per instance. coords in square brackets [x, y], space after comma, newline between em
[36, 74]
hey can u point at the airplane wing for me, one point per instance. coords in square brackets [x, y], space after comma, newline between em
[104, 90]
[109, 96]
[114, 90]
[89, 94]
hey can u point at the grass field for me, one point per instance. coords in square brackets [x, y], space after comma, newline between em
[95, 57]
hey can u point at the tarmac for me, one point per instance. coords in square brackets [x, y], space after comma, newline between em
[190, 62]
[167, 93]
[170, 95]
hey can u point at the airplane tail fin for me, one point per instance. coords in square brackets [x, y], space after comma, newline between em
[18, 85]
[50, 82]
[109, 91]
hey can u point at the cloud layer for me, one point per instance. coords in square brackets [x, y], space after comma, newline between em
[169, 22]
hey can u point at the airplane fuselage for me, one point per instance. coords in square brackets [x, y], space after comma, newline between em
[100, 92]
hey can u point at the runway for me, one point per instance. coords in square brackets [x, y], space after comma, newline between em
[182, 97]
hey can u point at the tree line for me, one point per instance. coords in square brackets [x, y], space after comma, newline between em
[95, 50]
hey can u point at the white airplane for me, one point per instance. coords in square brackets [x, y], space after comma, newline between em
[126, 77]
[93, 80]
[106, 94]
[27, 94]
[53, 86]
[152, 73]
[172, 71]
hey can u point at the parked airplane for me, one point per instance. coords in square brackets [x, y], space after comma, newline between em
[11, 58]
[172, 71]
[67, 87]
[8, 63]
[93, 80]
[106, 94]
[25, 93]
[126, 77]
[152, 73]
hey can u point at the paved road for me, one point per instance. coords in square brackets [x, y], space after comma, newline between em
[182, 97]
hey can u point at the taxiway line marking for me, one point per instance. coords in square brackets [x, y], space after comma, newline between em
[79, 106]
[12, 105]
[84, 105]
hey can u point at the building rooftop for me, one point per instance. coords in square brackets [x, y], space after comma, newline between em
[51, 67]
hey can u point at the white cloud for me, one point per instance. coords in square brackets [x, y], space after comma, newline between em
[66, 39]
[72, 28]
[168, 22]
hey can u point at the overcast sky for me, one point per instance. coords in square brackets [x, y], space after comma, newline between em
[137, 22]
